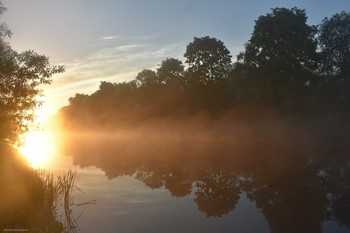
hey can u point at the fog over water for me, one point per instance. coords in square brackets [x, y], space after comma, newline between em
[270, 176]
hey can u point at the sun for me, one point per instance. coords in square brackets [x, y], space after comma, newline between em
[37, 148]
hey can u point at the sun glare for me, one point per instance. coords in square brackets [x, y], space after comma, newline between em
[37, 149]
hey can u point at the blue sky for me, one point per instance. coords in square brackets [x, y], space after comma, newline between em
[112, 40]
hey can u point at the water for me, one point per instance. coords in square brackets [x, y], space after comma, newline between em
[128, 205]
[167, 184]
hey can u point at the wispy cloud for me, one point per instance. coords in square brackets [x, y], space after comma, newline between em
[115, 61]
[118, 63]
[109, 37]
[128, 47]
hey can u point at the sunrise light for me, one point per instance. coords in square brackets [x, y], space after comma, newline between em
[37, 148]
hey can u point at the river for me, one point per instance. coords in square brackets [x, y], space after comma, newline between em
[165, 183]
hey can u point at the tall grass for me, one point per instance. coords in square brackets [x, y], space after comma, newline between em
[34, 200]
[54, 194]
[66, 185]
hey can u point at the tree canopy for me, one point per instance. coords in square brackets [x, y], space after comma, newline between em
[282, 42]
[280, 71]
[170, 70]
[334, 42]
[209, 60]
[21, 75]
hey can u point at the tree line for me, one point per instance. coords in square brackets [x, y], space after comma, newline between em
[288, 67]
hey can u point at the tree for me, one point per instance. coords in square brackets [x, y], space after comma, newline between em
[78, 100]
[21, 75]
[171, 69]
[4, 30]
[208, 59]
[334, 41]
[280, 59]
[147, 78]
[282, 42]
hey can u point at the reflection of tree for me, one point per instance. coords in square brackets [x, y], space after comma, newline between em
[294, 201]
[178, 182]
[295, 189]
[296, 106]
[217, 191]
[151, 179]
[340, 194]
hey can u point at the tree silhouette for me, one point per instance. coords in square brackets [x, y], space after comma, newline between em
[281, 42]
[280, 58]
[21, 75]
[209, 60]
[25, 200]
[273, 125]
[147, 78]
[170, 71]
[78, 100]
[334, 40]
[280, 72]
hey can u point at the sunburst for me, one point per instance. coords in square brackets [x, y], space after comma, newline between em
[37, 148]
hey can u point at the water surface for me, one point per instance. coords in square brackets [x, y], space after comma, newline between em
[165, 183]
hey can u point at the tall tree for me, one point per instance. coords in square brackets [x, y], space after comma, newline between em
[334, 40]
[209, 60]
[78, 100]
[21, 75]
[147, 78]
[170, 70]
[280, 58]
[281, 42]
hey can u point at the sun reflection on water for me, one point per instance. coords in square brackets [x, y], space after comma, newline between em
[37, 148]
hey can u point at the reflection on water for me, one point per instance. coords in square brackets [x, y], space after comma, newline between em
[298, 185]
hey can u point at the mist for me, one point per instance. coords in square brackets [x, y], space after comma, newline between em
[274, 125]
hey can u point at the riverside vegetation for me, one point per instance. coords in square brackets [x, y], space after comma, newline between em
[290, 72]
[30, 199]
[274, 124]
[33, 199]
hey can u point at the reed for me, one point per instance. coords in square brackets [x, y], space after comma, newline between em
[57, 194]
[66, 184]
[49, 196]
[34, 199]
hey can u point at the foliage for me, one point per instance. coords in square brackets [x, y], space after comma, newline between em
[170, 71]
[30, 198]
[281, 42]
[280, 59]
[334, 41]
[171, 67]
[283, 114]
[21, 75]
[147, 78]
[278, 73]
[208, 59]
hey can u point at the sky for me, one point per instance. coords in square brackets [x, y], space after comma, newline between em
[113, 40]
